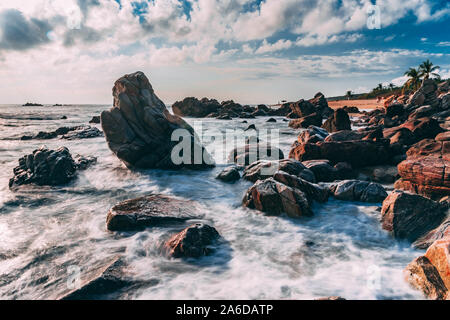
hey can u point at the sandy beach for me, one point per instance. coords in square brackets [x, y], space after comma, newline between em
[360, 104]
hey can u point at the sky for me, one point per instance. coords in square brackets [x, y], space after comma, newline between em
[251, 51]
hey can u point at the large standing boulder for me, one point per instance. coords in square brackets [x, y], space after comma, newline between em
[338, 121]
[193, 242]
[320, 103]
[48, 167]
[409, 216]
[192, 107]
[139, 129]
[150, 211]
[302, 108]
[426, 169]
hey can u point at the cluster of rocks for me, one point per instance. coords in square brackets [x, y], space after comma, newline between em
[290, 186]
[49, 167]
[227, 110]
[163, 211]
[68, 133]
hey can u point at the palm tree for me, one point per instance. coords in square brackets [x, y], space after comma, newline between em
[348, 94]
[414, 78]
[427, 69]
[380, 87]
[391, 86]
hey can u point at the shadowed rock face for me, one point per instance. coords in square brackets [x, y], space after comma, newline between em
[338, 121]
[423, 275]
[139, 128]
[410, 216]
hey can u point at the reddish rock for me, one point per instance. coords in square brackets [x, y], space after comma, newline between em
[338, 121]
[410, 216]
[426, 169]
[423, 128]
[193, 242]
[274, 198]
[358, 154]
[422, 275]
[439, 255]
[303, 108]
[395, 109]
[314, 119]
[321, 105]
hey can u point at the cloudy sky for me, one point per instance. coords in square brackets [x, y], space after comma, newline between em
[252, 51]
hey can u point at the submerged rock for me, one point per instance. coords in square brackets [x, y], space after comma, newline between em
[95, 119]
[98, 281]
[45, 167]
[149, 211]
[230, 174]
[139, 129]
[254, 152]
[410, 216]
[193, 242]
[83, 133]
[263, 169]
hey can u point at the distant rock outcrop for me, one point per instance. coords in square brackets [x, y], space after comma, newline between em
[139, 128]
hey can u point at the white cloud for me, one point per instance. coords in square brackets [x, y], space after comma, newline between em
[444, 44]
[277, 46]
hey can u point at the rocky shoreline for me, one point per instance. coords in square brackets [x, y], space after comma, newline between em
[407, 143]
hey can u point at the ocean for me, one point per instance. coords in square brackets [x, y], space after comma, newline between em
[46, 231]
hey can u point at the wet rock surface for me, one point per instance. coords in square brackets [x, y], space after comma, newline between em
[355, 190]
[410, 216]
[230, 174]
[49, 167]
[193, 242]
[149, 211]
